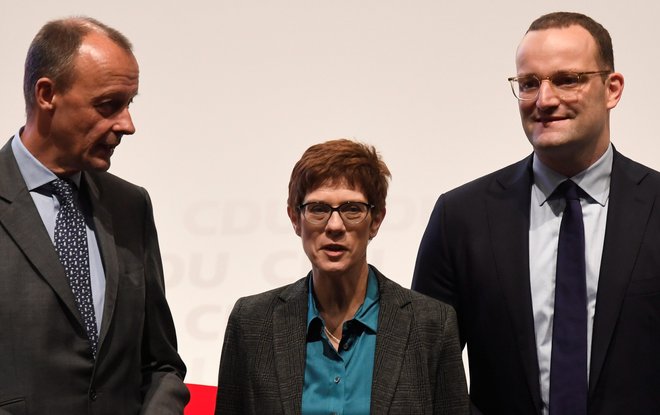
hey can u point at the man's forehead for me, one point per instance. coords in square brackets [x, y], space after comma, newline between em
[557, 45]
[575, 35]
[100, 55]
[98, 47]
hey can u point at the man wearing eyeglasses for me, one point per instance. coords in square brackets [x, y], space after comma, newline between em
[553, 263]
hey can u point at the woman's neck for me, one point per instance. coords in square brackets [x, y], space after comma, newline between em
[338, 296]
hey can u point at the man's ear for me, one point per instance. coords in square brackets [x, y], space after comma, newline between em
[44, 92]
[294, 216]
[614, 89]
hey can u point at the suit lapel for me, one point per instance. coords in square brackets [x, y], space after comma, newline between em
[629, 210]
[391, 345]
[508, 206]
[289, 344]
[105, 238]
[21, 220]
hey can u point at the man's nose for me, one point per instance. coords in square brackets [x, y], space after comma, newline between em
[548, 95]
[124, 123]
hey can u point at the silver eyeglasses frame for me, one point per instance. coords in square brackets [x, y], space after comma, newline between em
[568, 82]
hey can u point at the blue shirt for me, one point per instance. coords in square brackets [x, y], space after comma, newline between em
[36, 175]
[340, 382]
[545, 220]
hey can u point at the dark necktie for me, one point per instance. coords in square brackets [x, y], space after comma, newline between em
[71, 246]
[568, 367]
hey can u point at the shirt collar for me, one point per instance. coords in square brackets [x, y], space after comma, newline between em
[594, 181]
[33, 171]
[367, 314]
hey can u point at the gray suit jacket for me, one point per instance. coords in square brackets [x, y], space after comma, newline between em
[46, 364]
[417, 369]
[475, 256]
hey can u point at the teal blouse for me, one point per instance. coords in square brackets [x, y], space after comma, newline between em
[340, 382]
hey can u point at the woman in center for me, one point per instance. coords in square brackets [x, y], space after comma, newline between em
[344, 339]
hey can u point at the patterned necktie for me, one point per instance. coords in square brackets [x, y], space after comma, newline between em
[71, 246]
[568, 364]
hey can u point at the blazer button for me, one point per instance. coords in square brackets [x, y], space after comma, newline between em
[92, 395]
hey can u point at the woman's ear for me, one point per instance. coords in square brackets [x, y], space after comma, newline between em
[375, 223]
[294, 216]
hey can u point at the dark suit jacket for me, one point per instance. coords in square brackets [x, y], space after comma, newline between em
[46, 364]
[417, 369]
[475, 256]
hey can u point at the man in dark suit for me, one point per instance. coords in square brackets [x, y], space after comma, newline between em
[86, 328]
[493, 247]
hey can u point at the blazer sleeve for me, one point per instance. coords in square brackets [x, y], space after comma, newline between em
[433, 273]
[450, 394]
[163, 371]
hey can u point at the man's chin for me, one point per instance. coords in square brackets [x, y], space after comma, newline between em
[548, 140]
[98, 164]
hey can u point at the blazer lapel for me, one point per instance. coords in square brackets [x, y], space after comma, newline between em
[289, 344]
[630, 207]
[391, 342]
[20, 218]
[508, 206]
[105, 238]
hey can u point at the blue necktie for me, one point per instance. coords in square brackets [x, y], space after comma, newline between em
[568, 366]
[71, 246]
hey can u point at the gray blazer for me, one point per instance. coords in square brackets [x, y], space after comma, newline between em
[417, 369]
[46, 364]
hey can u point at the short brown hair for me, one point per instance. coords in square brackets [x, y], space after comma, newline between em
[54, 49]
[340, 161]
[558, 20]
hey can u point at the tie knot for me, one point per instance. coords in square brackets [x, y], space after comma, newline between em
[568, 190]
[63, 189]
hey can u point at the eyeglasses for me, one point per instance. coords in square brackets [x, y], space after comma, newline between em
[527, 87]
[318, 213]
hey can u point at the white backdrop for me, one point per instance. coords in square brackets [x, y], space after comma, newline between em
[233, 91]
